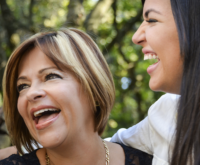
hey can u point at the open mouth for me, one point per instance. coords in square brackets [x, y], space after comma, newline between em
[45, 115]
[156, 60]
[150, 56]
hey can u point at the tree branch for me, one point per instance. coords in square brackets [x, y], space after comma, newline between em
[76, 13]
[122, 53]
[31, 12]
[114, 7]
[9, 21]
[138, 98]
[121, 33]
[93, 19]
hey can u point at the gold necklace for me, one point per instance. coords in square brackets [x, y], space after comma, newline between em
[105, 146]
[107, 152]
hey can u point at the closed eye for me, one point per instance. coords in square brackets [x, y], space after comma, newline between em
[151, 21]
[22, 87]
[52, 76]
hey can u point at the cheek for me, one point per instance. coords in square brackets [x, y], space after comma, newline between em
[155, 35]
[155, 39]
[21, 106]
[166, 45]
[163, 36]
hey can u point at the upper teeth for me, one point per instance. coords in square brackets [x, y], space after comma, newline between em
[150, 56]
[39, 113]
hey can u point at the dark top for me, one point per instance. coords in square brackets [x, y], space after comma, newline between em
[132, 157]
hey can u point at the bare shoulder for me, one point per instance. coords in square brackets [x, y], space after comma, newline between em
[117, 156]
[6, 152]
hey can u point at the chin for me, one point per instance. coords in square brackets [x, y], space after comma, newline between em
[51, 139]
[154, 86]
[162, 89]
[158, 86]
[50, 143]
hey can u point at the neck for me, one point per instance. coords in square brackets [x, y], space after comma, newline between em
[79, 151]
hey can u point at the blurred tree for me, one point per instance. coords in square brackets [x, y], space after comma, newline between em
[4, 138]
[76, 13]
[111, 23]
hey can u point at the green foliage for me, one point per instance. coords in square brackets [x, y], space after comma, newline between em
[133, 96]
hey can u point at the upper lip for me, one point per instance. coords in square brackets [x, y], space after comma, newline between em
[39, 108]
[146, 51]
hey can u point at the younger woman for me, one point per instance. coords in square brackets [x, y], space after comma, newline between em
[171, 132]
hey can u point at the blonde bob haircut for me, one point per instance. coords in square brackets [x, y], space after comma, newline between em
[67, 48]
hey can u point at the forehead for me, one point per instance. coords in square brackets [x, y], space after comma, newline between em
[34, 59]
[162, 6]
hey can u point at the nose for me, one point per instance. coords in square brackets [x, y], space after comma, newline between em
[139, 37]
[35, 93]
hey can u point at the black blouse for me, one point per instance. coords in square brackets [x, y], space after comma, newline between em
[132, 157]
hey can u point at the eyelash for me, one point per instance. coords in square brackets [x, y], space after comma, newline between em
[49, 76]
[151, 21]
[21, 87]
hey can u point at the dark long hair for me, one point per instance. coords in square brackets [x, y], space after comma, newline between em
[187, 136]
[187, 140]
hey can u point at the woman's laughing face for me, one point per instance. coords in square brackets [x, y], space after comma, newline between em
[159, 38]
[51, 101]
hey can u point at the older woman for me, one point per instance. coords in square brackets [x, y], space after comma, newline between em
[58, 91]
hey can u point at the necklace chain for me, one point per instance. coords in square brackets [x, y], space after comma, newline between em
[105, 146]
[107, 152]
[47, 159]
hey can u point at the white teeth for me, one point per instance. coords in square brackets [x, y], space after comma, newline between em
[150, 56]
[39, 113]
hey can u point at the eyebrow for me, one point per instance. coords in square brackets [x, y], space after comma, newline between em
[151, 10]
[21, 78]
[40, 72]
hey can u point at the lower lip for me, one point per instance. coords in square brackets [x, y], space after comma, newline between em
[152, 68]
[46, 124]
